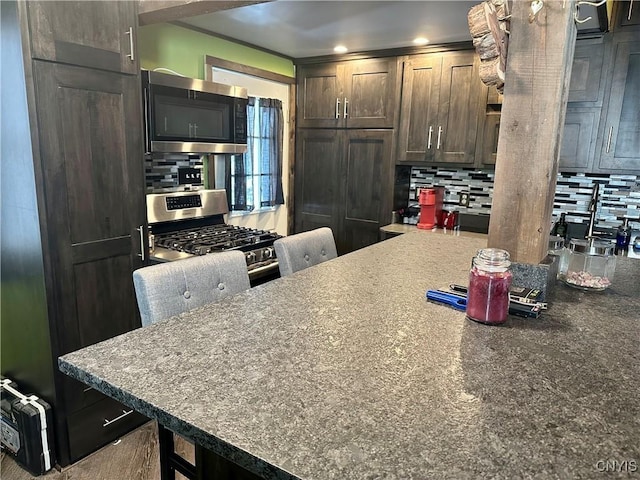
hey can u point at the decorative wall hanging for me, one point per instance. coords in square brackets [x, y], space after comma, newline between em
[489, 28]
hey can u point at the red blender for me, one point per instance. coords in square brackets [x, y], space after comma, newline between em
[430, 200]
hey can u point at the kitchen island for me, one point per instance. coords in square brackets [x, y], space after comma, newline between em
[345, 371]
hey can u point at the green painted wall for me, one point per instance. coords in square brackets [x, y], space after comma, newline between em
[183, 50]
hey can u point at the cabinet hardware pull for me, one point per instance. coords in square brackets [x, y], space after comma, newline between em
[146, 115]
[337, 108]
[130, 33]
[609, 139]
[195, 130]
[429, 141]
[124, 414]
[165, 124]
[142, 243]
[346, 102]
[439, 135]
[630, 9]
[190, 131]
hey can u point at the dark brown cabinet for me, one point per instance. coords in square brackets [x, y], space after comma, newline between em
[351, 94]
[584, 107]
[621, 126]
[93, 34]
[580, 131]
[579, 139]
[439, 107]
[77, 134]
[487, 146]
[587, 73]
[344, 181]
[627, 15]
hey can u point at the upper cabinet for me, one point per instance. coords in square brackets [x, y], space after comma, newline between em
[351, 94]
[98, 35]
[579, 139]
[627, 15]
[586, 95]
[439, 108]
[587, 74]
[621, 126]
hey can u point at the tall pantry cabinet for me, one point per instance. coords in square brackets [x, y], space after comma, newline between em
[344, 143]
[73, 205]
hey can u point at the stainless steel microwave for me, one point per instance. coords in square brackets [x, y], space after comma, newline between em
[185, 115]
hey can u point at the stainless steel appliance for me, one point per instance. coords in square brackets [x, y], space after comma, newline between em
[183, 224]
[185, 115]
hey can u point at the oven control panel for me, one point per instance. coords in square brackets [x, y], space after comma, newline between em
[183, 201]
[169, 207]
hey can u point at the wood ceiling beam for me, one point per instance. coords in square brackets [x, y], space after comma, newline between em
[160, 11]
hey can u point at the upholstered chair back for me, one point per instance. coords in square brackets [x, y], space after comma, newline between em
[171, 288]
[305, 249]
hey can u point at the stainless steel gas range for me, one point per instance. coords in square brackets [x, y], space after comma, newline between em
[183, 224]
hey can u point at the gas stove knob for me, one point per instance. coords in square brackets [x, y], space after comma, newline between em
[251, 257]
[269, 253]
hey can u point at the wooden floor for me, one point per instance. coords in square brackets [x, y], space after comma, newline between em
[134, 457]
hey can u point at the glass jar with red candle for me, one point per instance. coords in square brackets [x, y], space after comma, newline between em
[489, 284]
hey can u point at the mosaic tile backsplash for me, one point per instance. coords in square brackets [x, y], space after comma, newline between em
[619, 194]
[161, 171]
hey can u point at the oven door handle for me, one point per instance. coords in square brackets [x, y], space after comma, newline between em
[140, 229]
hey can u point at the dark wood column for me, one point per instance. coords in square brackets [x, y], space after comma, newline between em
[537, 78]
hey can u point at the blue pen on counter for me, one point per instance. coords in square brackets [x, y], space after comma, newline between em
[456, 301]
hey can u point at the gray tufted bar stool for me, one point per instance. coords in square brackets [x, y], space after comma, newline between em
[172, 288]
[305, 249]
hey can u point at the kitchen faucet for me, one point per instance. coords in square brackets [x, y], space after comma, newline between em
[593, 206]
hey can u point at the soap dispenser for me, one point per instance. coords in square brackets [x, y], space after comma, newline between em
[623, 236]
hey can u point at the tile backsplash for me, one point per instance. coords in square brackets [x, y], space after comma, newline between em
[161, 171]
[619, 194]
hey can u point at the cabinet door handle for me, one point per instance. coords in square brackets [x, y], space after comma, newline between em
[439, 135]
[124, 414]
[142, 242]
[609, 139]
[147, 145]
[130, 33]
[190, 130]
[429, 140]
[195, 130]
[346, 102]
[337, 108]
[630, 10]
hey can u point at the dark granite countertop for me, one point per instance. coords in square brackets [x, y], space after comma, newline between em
[345, 371]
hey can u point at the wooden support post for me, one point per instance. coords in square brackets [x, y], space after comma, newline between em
[537, 79]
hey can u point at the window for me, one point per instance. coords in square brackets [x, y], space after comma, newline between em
[256, 176]
[255, 180]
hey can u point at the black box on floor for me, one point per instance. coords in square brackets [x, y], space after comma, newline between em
[26, 429]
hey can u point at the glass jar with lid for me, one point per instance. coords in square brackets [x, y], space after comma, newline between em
[489, 284]
[589, 264]
[556, 249]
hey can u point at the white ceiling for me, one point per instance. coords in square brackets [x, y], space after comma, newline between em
[308, 28]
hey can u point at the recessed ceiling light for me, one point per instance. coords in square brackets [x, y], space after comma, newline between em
[340, 49]
[420, 40]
